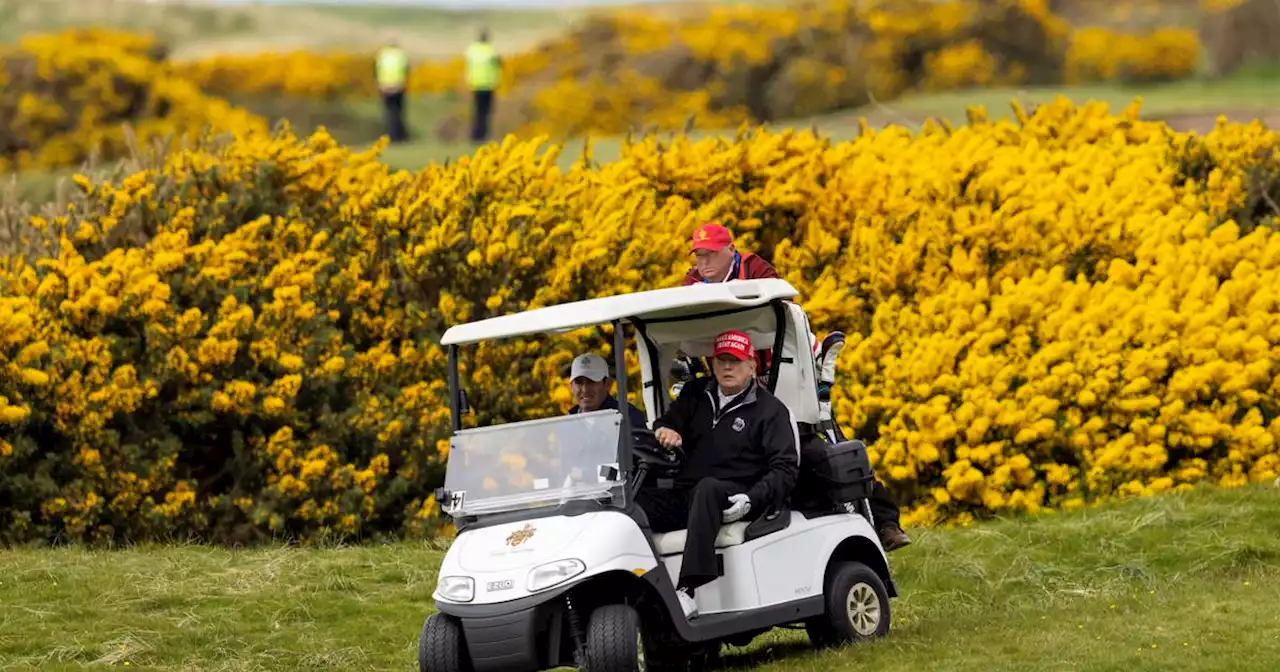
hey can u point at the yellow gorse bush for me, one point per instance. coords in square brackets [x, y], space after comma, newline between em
[1101, 54]
[1042, 312]
[298, 73]
[766, 63]
[65, 98]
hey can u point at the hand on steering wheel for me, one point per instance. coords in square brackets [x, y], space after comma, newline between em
[648, 446]
[669, 438]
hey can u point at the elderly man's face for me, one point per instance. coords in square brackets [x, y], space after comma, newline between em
[732, 373]
[713, 264]
[588, 393]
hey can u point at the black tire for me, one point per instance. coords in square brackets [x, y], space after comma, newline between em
[664, 656]
[441, 647]
[857, 607]
[614, 640]
[705, 658]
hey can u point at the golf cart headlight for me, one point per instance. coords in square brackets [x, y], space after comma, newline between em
[552, 573]
[456, 588]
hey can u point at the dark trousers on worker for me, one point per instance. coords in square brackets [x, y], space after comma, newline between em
[393, 113]
[700, 510]
[481, 112]
[883, 508]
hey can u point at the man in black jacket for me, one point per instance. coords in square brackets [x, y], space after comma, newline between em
[741, 456]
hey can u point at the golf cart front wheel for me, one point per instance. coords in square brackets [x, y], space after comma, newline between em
[615, 642]
[441, 647]
[857, 607]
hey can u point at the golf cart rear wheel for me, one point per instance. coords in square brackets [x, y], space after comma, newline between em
[441, 647]
[857, 607]
[614, 640]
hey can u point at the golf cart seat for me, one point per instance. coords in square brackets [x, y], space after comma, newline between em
[733, 534]
[672, 543]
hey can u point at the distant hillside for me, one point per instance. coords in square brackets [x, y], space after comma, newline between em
[202, 28]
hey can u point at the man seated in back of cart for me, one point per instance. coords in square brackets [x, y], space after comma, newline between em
[717, 260]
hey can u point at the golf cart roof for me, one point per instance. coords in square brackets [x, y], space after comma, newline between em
[656, 304]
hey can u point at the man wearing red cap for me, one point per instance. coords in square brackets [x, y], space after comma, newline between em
[741, 456]
[716, 259]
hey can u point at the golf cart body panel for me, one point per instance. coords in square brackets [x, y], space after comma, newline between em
[515, 560]
[768, 557]
[548, 534]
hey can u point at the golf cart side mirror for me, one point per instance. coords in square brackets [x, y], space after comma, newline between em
[448, 501]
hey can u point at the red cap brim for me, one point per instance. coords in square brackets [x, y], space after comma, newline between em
[712, 245]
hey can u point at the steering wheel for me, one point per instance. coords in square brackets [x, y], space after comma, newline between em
[646, 447]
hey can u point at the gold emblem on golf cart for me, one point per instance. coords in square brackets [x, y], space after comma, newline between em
[520, 536]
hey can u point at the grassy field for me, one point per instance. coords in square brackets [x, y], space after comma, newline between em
[1246, 95]
[1249, 94]
[1187, 582]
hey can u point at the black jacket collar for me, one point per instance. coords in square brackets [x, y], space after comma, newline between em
[746, 397]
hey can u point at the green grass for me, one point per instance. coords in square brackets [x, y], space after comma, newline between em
[1254, 89]
[1187, 582]
[1248, 94]
[33, 187]
[1245, 95]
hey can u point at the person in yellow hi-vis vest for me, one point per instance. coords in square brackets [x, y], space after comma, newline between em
[484, 70]
[393, 77]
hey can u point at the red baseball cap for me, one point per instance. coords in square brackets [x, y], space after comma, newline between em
[711, 237]
[734, 343]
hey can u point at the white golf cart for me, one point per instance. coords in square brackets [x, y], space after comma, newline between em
[554, 565]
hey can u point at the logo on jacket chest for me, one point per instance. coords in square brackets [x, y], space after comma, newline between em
[739, 424]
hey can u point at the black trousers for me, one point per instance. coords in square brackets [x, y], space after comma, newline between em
[393, 114]
[481, 111]
[701, 512]
[883, 508]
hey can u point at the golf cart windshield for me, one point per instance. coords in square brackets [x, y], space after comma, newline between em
[532, 464]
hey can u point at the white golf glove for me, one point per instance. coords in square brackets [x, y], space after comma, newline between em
[739, 505]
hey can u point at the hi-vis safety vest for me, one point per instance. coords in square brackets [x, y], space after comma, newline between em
[393, 67]
[482, 67]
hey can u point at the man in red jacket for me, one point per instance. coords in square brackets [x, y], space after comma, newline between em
[717, 260]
